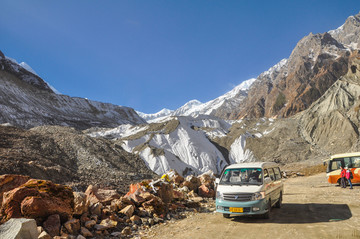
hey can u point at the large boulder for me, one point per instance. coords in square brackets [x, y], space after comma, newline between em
[37, 199]
[19, 228]
[105, 196]
[10, 181]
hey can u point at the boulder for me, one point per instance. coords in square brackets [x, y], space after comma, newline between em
[155, 205]
[19, 228]
[85, 232]
[73, 226]
[126, 231]
[179, 195]
[128, 210]
[205, 191]
[81, 204]
[90, 224]
[108, 223]
[165, 192]
[10, 181]
[135, 219]
[96, 194]
[191, 182]
[52, 225]
[37, 199]
[44, 235]
[96, 208]
[208, 179]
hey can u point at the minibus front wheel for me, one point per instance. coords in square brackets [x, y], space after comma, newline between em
[267, 214]
[226, 215]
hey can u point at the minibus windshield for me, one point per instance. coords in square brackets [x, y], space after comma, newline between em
[242, 176]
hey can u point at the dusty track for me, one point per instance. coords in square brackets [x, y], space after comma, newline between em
[312, 208]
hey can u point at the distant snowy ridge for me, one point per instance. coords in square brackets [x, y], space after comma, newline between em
[161, 113]
[195, 107]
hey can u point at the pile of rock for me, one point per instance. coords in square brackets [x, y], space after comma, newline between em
[61, 213]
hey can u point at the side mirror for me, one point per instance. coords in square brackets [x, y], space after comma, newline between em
[217, 181]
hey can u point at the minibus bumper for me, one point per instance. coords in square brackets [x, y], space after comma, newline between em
[256, 207]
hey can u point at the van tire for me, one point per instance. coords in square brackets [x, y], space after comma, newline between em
[267, 214]
[279, 202]
[226, 215]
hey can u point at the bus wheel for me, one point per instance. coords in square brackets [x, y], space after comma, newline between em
[339, 182]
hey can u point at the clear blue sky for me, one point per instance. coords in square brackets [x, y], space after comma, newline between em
[155, 54]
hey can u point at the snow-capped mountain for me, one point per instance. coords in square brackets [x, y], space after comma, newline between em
[195, 107]
[160, 114]
[182, 143]
[27, 101]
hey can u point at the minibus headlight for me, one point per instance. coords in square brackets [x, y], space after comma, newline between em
[219, 195]
[258, 196]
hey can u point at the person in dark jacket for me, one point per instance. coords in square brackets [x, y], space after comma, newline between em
[343, 177]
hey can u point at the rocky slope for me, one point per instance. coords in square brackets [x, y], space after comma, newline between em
[27, 101]
[293, 84]
[65, 155]
[333, 121]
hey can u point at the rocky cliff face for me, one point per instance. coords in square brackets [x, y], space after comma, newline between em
[292, 85]
[314, 65]
[333, 121]
[27, 101]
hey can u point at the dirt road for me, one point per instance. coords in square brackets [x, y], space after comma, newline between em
[312, 208]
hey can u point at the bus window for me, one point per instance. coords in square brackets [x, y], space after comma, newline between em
[355, 162]
[334, 165]
[347, 162]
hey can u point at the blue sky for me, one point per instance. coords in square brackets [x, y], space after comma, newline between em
[150, 55]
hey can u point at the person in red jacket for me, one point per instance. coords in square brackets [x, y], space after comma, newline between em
[348, 176]
[343, 177]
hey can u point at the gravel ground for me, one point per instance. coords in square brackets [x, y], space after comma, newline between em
[312, 208]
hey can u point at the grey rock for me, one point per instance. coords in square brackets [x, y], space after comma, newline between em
[19, 228]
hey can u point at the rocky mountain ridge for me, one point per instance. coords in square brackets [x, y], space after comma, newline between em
[316, 62]
[27, 101]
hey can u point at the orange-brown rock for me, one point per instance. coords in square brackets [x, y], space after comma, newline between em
[73, 226]
[165, 192]
[10, 181]
[155, 205]
[37, 199]
[205, 191]
[52, 225]
[81, 204]
[96, 194]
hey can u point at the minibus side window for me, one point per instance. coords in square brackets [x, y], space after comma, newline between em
[277, 173]
[271, 173]
[266, 174]
[335, 164]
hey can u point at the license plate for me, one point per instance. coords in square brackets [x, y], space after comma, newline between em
[236, 209]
